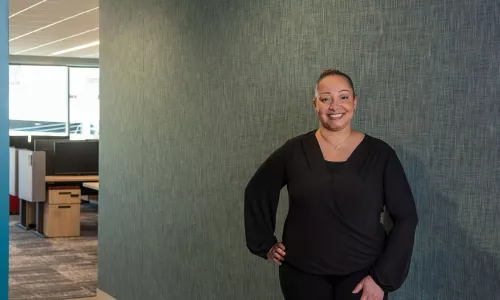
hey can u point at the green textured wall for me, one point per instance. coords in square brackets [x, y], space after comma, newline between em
[195, 94]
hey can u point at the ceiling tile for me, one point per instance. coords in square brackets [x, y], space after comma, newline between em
[27, 28]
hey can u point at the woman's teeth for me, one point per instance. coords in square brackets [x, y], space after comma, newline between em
[335, 116]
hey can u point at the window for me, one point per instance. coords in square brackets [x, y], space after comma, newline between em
[38, 100]
[84, 103]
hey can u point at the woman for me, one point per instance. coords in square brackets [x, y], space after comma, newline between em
[339, 180]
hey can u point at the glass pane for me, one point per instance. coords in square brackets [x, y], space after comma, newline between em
[38, 102]
[84, 103]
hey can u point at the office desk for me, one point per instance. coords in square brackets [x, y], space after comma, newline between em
[92, 185]
[74, 179]
[65, 192]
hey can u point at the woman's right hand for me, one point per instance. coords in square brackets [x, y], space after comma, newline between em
[277, 253]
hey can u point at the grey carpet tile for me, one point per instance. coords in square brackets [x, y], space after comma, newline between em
[33, 245]
[78, 273]
[54, 268]
[58, 291]
[36, 277]
[90, 285]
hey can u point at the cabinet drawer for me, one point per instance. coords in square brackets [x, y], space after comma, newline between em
[61, 220]
[64, 196]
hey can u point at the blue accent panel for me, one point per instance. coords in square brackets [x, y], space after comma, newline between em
[4, 150]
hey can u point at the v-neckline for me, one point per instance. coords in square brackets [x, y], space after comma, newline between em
[349, 158]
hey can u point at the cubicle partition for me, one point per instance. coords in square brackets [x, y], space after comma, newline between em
[20, 142]
[28, 141]
[13, 181]
[69, 157]
[31, 175]
[31, 185]
[46, 146]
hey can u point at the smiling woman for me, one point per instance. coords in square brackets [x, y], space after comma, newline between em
[335, 99]
[339, 180]
[335, 102]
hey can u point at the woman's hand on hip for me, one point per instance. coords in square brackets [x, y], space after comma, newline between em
[371, 291]
[277, 253]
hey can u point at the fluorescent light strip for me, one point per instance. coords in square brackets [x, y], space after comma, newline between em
[50, 25]
[69, 37]
[76, 48]
[20, 12]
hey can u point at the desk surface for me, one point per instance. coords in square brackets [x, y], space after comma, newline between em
[91, 185]
[71, 178]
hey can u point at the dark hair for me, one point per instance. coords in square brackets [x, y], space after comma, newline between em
[332, 72]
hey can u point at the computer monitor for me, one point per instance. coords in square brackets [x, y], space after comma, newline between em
[74, 157]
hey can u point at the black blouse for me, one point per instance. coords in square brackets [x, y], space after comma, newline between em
[333, 225]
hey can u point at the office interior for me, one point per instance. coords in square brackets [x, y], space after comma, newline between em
[53, 154]
[193, 95]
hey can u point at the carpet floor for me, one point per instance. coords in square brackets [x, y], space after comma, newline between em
[54, 268]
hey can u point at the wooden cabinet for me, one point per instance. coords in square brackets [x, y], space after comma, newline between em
[64, 196]
[62, 213]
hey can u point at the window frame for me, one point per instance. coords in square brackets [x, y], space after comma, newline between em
[68, 93]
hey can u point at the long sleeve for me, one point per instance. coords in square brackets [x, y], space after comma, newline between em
[261, 202]
[392, 268]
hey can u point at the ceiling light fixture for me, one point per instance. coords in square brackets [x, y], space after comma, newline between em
[76, 48]
[55, 23]
[21, 11]
[69, 37]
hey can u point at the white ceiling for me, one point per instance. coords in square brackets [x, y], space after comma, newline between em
[43, 28]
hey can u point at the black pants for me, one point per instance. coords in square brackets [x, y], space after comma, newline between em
[297, 285]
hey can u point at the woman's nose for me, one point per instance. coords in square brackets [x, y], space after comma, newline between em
[333, 104]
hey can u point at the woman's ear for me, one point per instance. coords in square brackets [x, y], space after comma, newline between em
[355, 104]
[314, 102]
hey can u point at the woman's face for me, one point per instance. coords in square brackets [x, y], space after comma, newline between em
[335, 102]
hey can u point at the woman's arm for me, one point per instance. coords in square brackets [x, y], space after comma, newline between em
[261, 202]
[392, 268]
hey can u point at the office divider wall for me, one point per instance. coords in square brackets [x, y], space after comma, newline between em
[196, 94]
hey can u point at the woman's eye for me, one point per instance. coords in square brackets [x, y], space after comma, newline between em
[344, 97]
[324, 99]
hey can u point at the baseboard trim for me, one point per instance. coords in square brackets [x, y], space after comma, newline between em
[103, 296]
